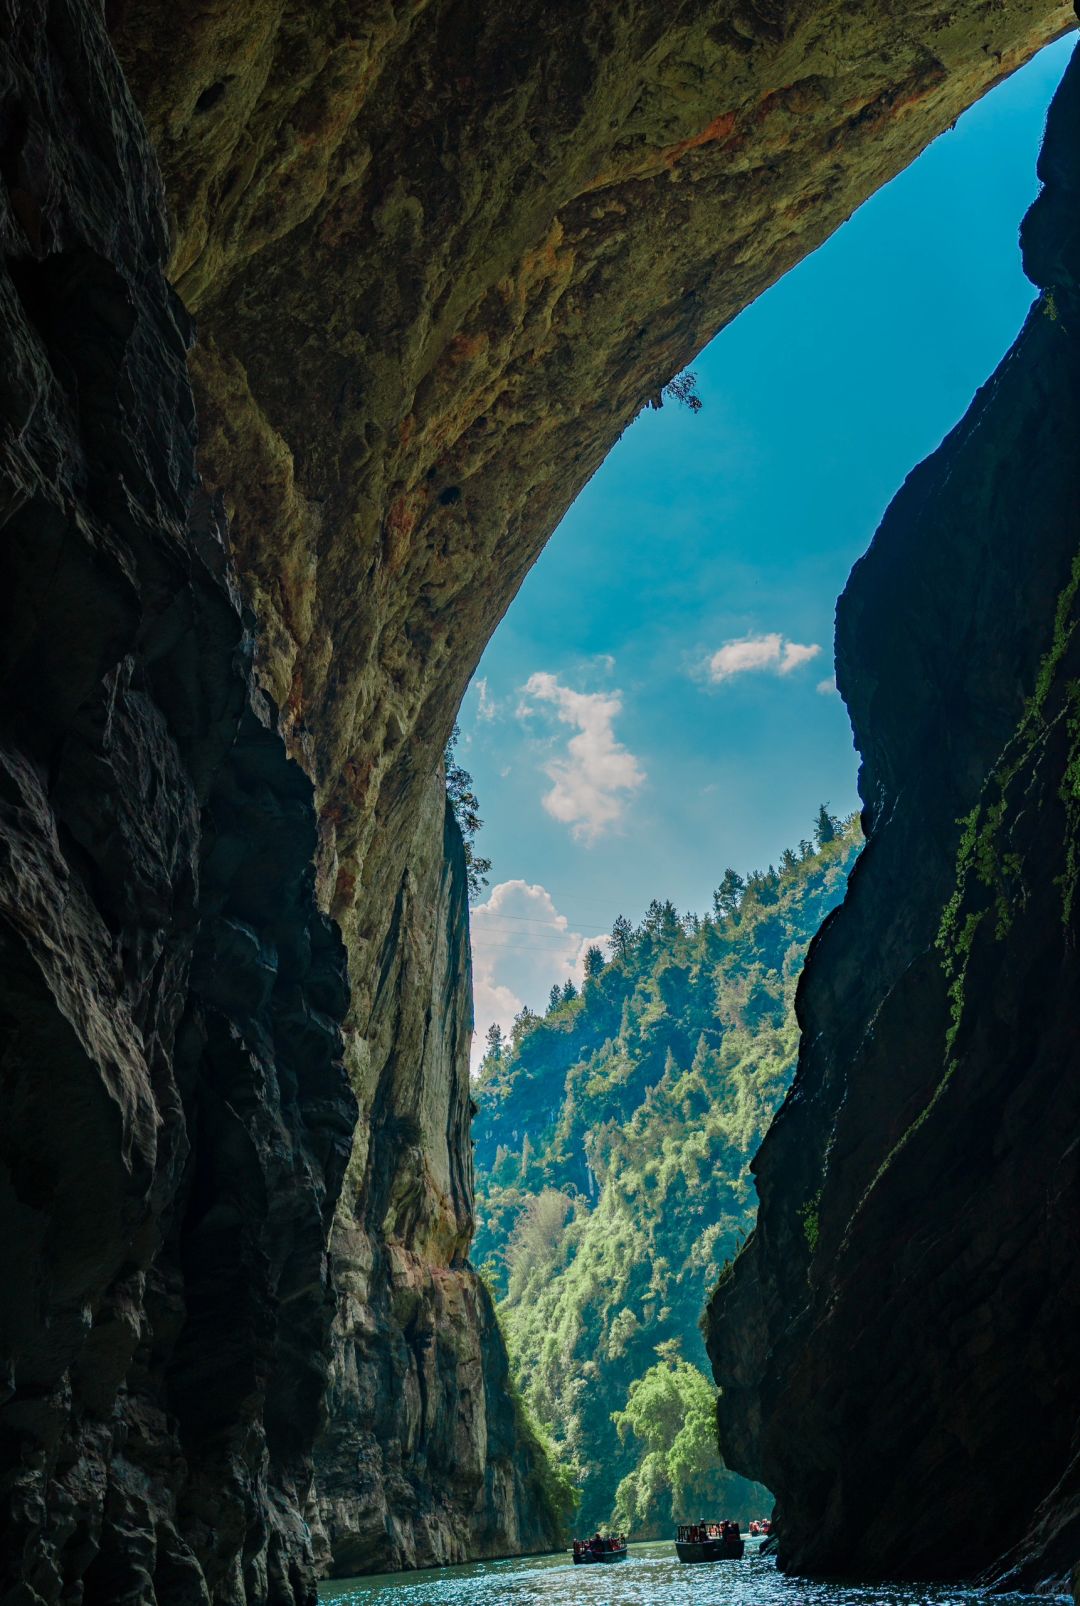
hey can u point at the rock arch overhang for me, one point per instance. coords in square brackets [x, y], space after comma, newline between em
[441, 254]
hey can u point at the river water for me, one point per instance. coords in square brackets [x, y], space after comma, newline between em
[651, 1576]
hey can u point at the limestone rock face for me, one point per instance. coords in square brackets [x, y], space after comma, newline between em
[440, 255]
[176, 1115]
[920, 1187]
[424, 1460]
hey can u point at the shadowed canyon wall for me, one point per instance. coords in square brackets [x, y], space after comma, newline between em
[920, 1188]
[425, 1459]
[176, 1113]
[439, 256]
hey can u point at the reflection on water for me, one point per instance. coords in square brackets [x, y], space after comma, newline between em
[652, 1576]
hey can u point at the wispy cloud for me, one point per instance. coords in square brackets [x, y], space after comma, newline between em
[486, 706]
[771, 654]
[593, 778]
[521, 944]
[827, 687]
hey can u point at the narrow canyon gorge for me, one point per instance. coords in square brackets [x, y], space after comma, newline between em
[316, 320]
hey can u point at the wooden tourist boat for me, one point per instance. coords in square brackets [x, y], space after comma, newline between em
[709, 1541]
[589, 1552]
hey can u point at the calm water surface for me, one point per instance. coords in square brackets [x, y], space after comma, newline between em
[651, 1576]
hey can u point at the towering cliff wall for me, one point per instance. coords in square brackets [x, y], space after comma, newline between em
[176, 1114]
[439, 256]
[425, 1459]
[920, 1187]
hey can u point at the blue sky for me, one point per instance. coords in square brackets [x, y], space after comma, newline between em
[652, 708]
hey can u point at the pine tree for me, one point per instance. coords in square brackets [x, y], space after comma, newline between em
[494, 1042]
[826, 826]
[464, 802]
[569, 993]
[594, 961]
[622, 936]
[524, 1021]
[728, 895]
[554, 997]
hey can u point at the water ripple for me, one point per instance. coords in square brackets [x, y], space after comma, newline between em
[652, 1576]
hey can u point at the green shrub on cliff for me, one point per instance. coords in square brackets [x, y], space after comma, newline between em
[466, 806]
[555, 1486]
[612, 1147]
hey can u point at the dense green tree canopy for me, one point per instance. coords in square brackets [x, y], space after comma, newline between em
[612, 1148]
[671, 1413]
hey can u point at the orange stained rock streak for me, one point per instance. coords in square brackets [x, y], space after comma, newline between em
[721, 128]
[651, 163]
[464, 348]
[401, 520]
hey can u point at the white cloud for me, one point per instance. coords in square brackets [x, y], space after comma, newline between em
[486, 706]
[828, 687]
[521, 945]
[593, 778]
[795, 655]
[769, 653]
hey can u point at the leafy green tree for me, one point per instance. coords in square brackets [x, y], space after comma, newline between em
[466, 807]
[538, 1241]
[594, 961]
[671, 1412]
[661, 919]
[524, 1021]
[728, 895]
[682, 389]
[762, 886]
[826, 827]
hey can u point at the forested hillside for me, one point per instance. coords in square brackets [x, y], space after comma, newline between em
[613, 1139]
